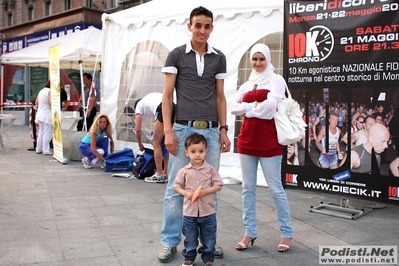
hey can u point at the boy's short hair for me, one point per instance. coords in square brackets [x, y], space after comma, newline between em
[200, 11]
[195, 138]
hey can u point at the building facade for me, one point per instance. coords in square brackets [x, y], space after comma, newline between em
[26, 22]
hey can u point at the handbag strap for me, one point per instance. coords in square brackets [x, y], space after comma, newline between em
[287, 91]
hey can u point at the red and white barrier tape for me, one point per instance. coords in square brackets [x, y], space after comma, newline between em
[29, 104]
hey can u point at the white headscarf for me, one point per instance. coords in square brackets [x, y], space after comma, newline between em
[264, 77]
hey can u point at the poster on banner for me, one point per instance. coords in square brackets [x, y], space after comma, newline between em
[341, 63]
[54, 74]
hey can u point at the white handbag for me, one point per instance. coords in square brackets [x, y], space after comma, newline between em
[288, 119]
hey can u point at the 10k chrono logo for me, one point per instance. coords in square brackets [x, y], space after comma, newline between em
[313, 46]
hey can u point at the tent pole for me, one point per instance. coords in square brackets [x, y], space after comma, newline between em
[83, 94]
[1, 101]
[2, 88]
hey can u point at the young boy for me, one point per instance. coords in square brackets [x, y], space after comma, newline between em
[199, 219]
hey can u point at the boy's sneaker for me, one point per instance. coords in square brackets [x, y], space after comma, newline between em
[166, 254]
[156, 179]
[86, 163]
[102, 165]
[218, 252]
[188, 263]
[209, 263]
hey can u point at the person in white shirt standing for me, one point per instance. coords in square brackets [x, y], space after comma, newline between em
[43, 118]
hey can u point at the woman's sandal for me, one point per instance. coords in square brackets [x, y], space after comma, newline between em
[284, 245]
[242, 246]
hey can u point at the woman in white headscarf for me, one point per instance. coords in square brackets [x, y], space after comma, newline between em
[256, 101]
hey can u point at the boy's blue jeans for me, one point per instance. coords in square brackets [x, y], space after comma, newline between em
[203, 228]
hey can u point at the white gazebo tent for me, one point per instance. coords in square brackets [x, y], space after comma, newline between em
[78, 50]
[237, 26]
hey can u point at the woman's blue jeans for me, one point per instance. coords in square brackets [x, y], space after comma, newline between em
[173, 202]
[271, 168]
[203, 228]
[85, 149]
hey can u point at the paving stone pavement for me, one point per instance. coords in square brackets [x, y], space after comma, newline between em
[62, 214]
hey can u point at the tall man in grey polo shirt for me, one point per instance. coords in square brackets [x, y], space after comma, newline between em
[197, 71]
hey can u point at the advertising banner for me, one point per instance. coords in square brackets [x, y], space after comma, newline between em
[342, 65]
[11, 45]
[54, 74]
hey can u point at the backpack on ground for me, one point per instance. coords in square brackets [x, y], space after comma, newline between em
[120, 161]
[144, 164]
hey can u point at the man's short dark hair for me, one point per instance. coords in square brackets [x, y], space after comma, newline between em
[200, 11]
[377, 114]
[368, 117]
[195, 138]
[88, 76]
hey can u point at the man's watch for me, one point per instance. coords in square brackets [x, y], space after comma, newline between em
[225, 127]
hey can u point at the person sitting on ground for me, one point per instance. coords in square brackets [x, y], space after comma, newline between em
[94, 145]
[199, 221]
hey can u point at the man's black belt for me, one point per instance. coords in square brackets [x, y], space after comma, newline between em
[198, 124]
